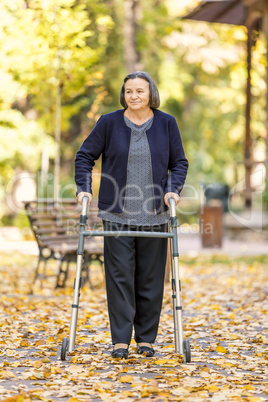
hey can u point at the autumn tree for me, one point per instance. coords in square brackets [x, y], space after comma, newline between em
[57, 59]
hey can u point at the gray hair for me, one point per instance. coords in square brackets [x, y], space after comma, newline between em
[154, 100]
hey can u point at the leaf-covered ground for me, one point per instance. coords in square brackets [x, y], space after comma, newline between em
[225, 310]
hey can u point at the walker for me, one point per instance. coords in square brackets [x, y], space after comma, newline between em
[182, 347]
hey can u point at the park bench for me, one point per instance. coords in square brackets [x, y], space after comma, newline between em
[55, 225]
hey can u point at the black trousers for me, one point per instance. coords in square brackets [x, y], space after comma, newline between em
[134, 271]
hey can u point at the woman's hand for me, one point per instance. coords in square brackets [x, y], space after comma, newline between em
[81, 195]
[176, 197]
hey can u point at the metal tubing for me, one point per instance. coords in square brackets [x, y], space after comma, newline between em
[175, 318]
[84, 206]
[178, 330]
[74, 316]
[77, 283]
[80, 249]
[172, 207]
[177, 310]
[124, 233]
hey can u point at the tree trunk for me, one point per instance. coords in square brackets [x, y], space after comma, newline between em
[248, 142]
[132, 57]
[57, 139]
[265, 28]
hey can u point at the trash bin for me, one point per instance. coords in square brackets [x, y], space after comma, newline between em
[218, 191]
[211, 224]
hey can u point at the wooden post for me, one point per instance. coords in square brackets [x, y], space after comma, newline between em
[265, 29]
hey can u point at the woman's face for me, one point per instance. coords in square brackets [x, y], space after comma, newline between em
[137, 94]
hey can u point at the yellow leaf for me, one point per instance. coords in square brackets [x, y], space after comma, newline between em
[46, 373]
[37, 376]
[46, 360]
[213, 388]
[127, 394]
[32, 330]
[24, 343]
[144, 393]
[126, 378]
[197, 388]
[81, 339]
[16, 364]
[234, 337]
[221, 349]
[51, 339]
[15, 398]
[124, 370]
[153, 388]
[229, 364]
[56, 370]
[40, 342]
[6, 374]
[215, 307]
[249, 387]
[219, 361]
[62, 335]
[37, 364]
[160, 361]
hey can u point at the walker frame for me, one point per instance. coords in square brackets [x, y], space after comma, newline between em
[182, 347]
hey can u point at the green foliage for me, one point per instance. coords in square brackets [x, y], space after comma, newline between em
[62, 44]
[44, 46]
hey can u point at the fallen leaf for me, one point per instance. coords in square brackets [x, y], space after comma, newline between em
[126, 378]
[37, 364]
[213, 388]
[46, 360]
[127, 394]
[221, 349]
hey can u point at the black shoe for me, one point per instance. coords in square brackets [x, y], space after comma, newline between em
[120, 353]
[145, 349]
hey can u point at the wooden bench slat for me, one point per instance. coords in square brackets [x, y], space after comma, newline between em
[55, 224]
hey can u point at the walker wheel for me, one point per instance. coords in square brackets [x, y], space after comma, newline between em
[187, 351]
[64, 346]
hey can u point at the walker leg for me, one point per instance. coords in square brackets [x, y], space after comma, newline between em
[68, 345]
[181, 346]
[175, 318]
[75, 305]
[187, 351]
[178, 307]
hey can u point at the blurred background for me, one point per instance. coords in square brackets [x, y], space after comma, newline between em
[62, 63]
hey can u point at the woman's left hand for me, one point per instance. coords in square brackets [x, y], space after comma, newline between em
[176, 197]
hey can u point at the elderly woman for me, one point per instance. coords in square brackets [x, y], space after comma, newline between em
[143, 165]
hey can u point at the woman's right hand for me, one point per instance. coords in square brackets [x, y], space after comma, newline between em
[81, 195]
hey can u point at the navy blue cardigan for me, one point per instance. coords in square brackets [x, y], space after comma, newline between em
[111, 139]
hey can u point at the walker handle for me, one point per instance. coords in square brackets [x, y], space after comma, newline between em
[172, 207]
[84, 205]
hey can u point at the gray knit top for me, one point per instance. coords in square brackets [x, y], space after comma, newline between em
[139, 200]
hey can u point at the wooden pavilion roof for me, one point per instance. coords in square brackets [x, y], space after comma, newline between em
[223, 11]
